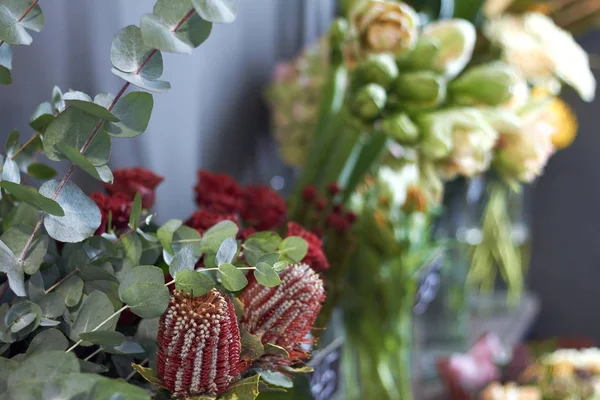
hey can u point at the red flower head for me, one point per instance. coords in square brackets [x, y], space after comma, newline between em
[129, 181]
[263, 208]
[199, 345]
[338, 222]
[309, 193]
[284, 315]
[204, 219]
[219, 193]
[333, 189]
[118, 205]
[315, 256]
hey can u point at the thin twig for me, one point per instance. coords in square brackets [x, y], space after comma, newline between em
[22, 17]
[134, 372]
[98, 350]
[119, 311]
[27, 143]
[57, 284]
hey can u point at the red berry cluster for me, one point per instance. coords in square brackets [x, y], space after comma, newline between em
[326, 212]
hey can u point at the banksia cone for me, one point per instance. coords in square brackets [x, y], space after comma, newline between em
[199, 345]
[284, 315]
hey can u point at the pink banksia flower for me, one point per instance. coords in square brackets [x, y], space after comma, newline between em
[284, 315]
[199, 345]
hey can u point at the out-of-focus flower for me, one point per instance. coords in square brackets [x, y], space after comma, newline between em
[219, 193]
[284, 315]
[510, 391]
[315, 257]
[460, 140]
[560, 116]
[385, 26]
[417, 91]
[263, 208]
[117, 205]
[202, 220]
[491, 84]
[494, 8]
[130, 181]
[401, 128]
[416, 201]
[394, 182]
[199, 347]
[369, 101]
[376, 68]
[543, 52]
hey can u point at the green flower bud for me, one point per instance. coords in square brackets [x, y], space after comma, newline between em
[377, 68]
[455, 39]
[489, 84]
[422, 57]
[369, 101]
[338, 31]
[437, 137]
[401, 128]
[415, 91]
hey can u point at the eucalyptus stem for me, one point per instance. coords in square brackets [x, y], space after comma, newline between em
[22, 17]
[98, 350]
[27, 143]
[119, 311]
[63, 280]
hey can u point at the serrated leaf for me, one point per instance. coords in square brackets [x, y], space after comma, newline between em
[214, 236]
[31, 196]
[266, 275]
[227, 250]
[10, 171]
[183, 260]
[78, 159]
[23, 318]
[276, 379]
[147, 299]
[141, 274]
[103, 338]
[16, 237]
[52, 305]
[294, 247]
[13, 270]
[43, 367]
[232, 278]
[93, 109]
[48, 340]
[40, 171]
[245, 389]
[195, 282]
[165, 233]
[13, 29]
[96, 309]
[148, 374]
[134, 111]
[71, 290]
[82, 216]
[218, 11]
[42, 116]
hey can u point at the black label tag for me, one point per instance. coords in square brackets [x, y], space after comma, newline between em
[429, 285]
[325, 379]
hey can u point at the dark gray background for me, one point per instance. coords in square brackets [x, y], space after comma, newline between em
[214, 117]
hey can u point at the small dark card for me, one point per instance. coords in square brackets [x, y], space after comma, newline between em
[429, 285]
[325, 379]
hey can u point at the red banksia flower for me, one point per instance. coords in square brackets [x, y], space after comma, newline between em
[219, 193]
[284, 315]
[118, 205]
[199, 345]
[204, 219]
[129, 181]
[263, 207]
[315, 257]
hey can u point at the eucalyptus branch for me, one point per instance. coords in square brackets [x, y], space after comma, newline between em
[63, 280]
[119, 311]
[22, 17]
[98, 350]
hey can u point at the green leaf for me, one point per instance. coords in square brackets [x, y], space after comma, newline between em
[42, 117]
[112, 389]
[165, 233]
[103, 338]
[57, 99]
[73, 127]
[280, 266]
[136, 211]
[93, 272]
[16, 237]
[276, 350]
[23, 318]
[151, 249]
[185, 236]
[12, 142]
[218, 11]
[233, 279]
[93, 109]
[266, 275]
[227, 251]
[276, 379]
[127, 347]
[183, 260]
[140, 81]
[40, 171]
[31, 196]
[13, 31]
[148, 374]
[294, 247]
[91, 368]
[52, 305]
[10, 171]
[13, 270]
[43, 367]
[35, 287]
[147, 299]
[260, 244]
[21, 213]
[134, 111]
[213, 237]
[48, 340]
[82, 216]
[78, 159]
[105, 174]
[6, 336]
[5, 75]
[71, 290]
[5, 64]
[96, 308]
[245, 389]
[269, 258]
[141, 274]
[6, 367]
[252, 347]
[195, 282]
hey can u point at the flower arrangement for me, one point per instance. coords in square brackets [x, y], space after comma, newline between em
[96, 299]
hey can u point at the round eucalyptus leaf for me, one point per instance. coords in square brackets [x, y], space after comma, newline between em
[134, 111]
[31, 196]
[183, 260]
[96, 309]
[232, 278]
[35, 288]
[57, 99]
[103, 338]
[82, 216]
[195, 282]
[105, 174]
[294, 247]
[5, 75]
[128, 346]
[23, 318]
[276, 379]
[71, 290]
[13, 270]
[259, 244]
[92, 368]
[266, 275]
[16, 237]
[12, 143]
[42, 116]
[185, 236]
[112, 389]
[165, 233]
[142, 82]
[158, 35]
[92, 108]
[6, 336]
[133, 248]
[47, 340]
[6, 56]
[13, 31]
[49, 322]
[128, 54]
[280, 266]
[219, 11]
[227, 250]
[10, 171]
[141, 274]
[213, 237]
[52, 305]
[194, 29]
[269, 258]
[92, 272]
[43, 367]
[78, 159]
[40, 171]
[147, 299]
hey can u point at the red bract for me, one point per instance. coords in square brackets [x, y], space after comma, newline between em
[199, 345]
[204, 219]
[285, 314]
[315, 257]
[263, 208]
[129, 181]
[219, 193]
[118, 205]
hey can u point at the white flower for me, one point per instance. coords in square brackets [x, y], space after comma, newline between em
[543, 51]
[456, 40]
[398, 180]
